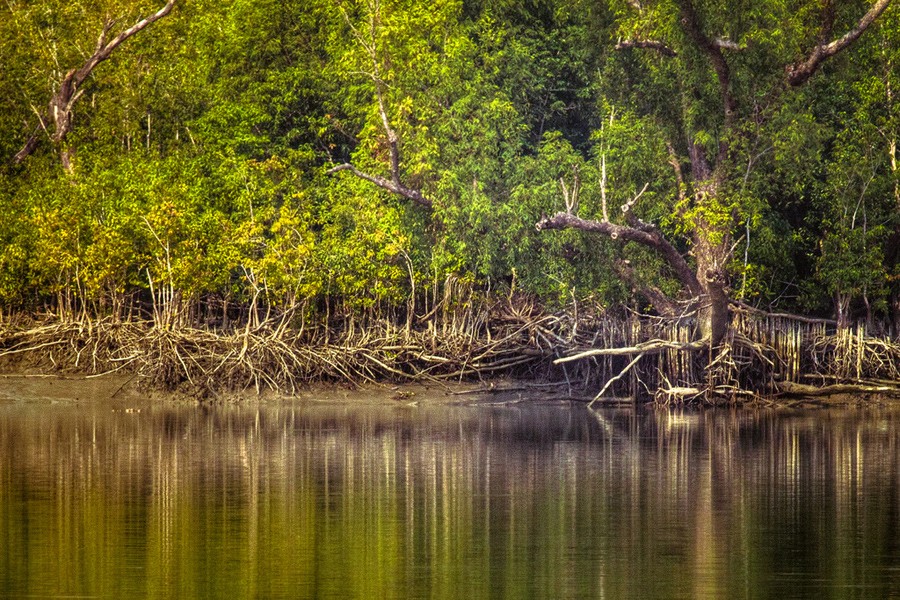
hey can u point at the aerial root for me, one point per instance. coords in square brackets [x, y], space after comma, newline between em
[626, 357]
[269, 358]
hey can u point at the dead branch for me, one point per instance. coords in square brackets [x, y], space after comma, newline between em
[799, 72]
[737, 306]
[571, 198]
[651, 347]
[394, 185]
[678, 394]
[724, 44]
[621, 374]
[59, 109]
[679, 176]
[636, 230]
[799, 389]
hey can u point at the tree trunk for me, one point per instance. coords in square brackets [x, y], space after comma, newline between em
[712, 249]
[842, 310]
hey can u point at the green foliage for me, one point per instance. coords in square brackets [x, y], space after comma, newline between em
[201, 149]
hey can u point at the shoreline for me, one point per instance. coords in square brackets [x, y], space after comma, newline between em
[119, 392]
[114, 390]
[767, 362]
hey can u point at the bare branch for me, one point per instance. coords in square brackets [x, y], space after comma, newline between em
[621, 374]
[61, 104]
[648, 235]
[565, 193]
[571, 198]
[649, 347]
[603, 186]
[724, 44]
[104, 51]
[679, 176]
[798, 73]
[391, 186]
[30, 146]
[626, 208]
[395, 185]
[647, 44]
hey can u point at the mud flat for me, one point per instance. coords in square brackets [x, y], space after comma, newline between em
[128, 392]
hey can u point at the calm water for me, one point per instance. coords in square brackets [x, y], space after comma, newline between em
[451, 502]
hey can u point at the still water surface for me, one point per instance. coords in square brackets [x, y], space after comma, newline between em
[546, 501]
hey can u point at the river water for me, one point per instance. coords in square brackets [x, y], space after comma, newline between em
[471, 501]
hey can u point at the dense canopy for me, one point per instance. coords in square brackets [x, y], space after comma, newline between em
[351, 156]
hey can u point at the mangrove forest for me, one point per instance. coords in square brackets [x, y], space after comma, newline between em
[682, 200]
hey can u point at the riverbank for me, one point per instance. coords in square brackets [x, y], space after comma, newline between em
[592, 358]
[127, 393]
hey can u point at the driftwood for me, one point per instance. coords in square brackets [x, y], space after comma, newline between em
[651, 347]
[791, 388]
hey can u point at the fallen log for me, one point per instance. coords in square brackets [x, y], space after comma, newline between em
[799, 389]
[609, 382]
[678, 394]
[651, 347]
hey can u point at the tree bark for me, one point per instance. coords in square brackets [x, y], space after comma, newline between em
[711, 239]
[394, 185]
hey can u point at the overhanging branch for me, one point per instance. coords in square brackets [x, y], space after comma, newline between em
[648, 235]
[798, 73]
[395, 187]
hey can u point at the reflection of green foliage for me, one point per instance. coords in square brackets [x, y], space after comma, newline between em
[372, 502]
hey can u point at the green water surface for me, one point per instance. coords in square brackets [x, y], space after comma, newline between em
[522, 501]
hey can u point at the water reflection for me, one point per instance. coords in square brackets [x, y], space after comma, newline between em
[474, 502]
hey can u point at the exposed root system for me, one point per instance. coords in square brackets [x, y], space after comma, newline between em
[622, 357]
[282, 359]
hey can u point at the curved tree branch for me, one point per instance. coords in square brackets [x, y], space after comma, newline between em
[798, 73]
[647, 235]
[59, 109]
[394, 185]
[657, 299]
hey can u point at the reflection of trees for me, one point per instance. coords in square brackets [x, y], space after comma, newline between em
[446, 502]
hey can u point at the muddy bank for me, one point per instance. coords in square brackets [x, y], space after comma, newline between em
[649, 359]
[123, 392]
[127, 394]
[29, 388]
